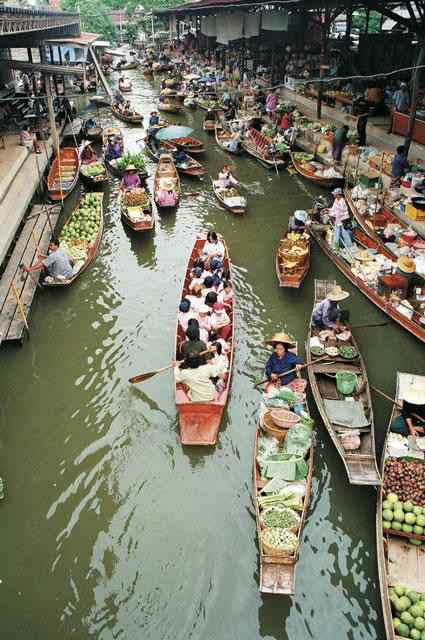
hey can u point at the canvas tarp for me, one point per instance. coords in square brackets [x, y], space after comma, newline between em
[274, 20]
[208, 25]
[346, 414]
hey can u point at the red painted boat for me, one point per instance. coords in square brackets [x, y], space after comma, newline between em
[256, 145]
[322, 181]
[292, 276]
[208, 125]
[189, 145]
[136, 119]
[200, 421]
[63, 175]
[413, 324]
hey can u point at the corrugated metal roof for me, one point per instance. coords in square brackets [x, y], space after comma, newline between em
[84, 40]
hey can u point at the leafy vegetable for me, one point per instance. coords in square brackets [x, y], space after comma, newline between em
[281, 518]
[131, 158]
[298, 439]
[348, 352]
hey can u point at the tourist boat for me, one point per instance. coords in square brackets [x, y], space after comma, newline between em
[277, 572]
[189, 145]
[200, 421]
[92, 248]
[166, 169]
[129, 65]
[72, 129]
[372, 223]
[165, 147]
[94, 133]
[399, 562]
[360, 464]
[222, 137]
[136, 119]
[208, 125]
[168, 106]
[413, 324]
[189, 168]
[136, 211]
[63, 176]
[292, 276]
[125, 86]
[229, 201]
[321, 181]
[256, 145]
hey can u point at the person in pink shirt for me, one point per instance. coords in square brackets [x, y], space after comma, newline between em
[226, 294]
[204, 321]
[130, 180]
[197, 277]
[271, 103]
[166, 197]
[196, 298]
[225, 346]
[186, 313]
[339, 213]
[220, 321]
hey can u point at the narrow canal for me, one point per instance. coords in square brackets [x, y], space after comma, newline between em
[110, 529]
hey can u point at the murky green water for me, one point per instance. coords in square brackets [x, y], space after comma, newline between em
[110, 529]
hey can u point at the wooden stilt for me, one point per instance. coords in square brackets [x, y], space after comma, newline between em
[19, 303]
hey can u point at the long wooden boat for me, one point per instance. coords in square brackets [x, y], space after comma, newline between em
[292, 276]
[399, 562]
[224, 201]
[93, 181]
[125, 86]
[165, 147]
[92, 248]
[136, 213]
[166, 169]
[168, 106]
[256, 145]
[94, 133]
[326, 183]
[136, 119]
[200, 421]
[63, 176]
[189, 168]
[222, 137]
[111, 164]
[277, 573]
[208, 125]
[129, 65]
[413, 324]
[371, 224]
[360, 465]
[189, 145]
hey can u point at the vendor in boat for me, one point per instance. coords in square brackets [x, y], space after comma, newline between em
[230, 114]
[114, 148]
[194, 343]
[406, 268]
[282, 359]
[225, 178]
[152, 140]
[153, 119]
[198, 378]
[58, 263]
[327, 314]
[398, 167]
[88, 155]
[411, 421]
[298, 221]
[209, 116]
[166, 196]
[180, 157]
[339, 213]
[213, 248]
[118, 99]
[130, 179]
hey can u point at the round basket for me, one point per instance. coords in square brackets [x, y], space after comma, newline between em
[292, 529]
[283, 418]
[272, 551]
[271, 429]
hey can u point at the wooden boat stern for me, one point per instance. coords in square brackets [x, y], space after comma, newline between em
[277, 575]
[199, 423]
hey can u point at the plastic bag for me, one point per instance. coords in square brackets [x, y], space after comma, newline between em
[298, 439]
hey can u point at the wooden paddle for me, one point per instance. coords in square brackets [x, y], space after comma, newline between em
[150, 374]
[376, 324]
[285, 373]
[397, 404]
[22, 266]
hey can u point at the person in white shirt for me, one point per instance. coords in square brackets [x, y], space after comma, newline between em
[225, 346]
[226, 294]
[185, 313]
[204, 321]
[196, 298]
[213, 248]
[220, 360]
[220, 321]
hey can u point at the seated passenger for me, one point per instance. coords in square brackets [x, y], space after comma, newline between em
[186, 313]
[210, 299]
[198, 378]
[225, 346]
[204, 322]
[166, 197]
[226, 294]
[220, 360]
[220, 321]
[196, 299]
[194, 343]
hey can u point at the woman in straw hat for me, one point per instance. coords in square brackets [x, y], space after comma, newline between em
[406, 423]
[406, 268]
[166, 197]
[339, 212]
[130, 180]
[282, 359]
[327, 314]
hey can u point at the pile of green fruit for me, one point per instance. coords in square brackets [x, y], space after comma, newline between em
[94, 169]
[409, 608]
[131, 158]
[83, 225]
[403, 516]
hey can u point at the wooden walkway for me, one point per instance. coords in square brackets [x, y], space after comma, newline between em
[36, 229]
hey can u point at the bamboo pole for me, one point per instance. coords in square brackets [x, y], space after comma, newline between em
[19, 303]
[37, 246]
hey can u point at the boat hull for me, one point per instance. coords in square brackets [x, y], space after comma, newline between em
[326, 183]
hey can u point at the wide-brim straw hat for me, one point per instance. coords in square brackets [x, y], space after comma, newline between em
[131, 167]
[406, 264]
[337, 293]
[363, 256]
[415, 394]
[166, 183]
[283, 338]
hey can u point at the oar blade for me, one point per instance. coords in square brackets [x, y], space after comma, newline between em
[142, 377]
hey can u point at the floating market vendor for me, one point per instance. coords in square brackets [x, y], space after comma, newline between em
[152, 140]
[130, 179]
[154, 119]
[286, 121]
[167, 197]
[88, 155]
[398, 167]
[180, 157]
[338, 142]
[198, 378]
[225, 178]
[113, 149]
[406, 268]
[407, 424]
[209, 116]
[58, 263]
[282, 359]
[298, 221]
[327, 314]
[339, 212]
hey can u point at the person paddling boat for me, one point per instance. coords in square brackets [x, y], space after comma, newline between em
[282, 359]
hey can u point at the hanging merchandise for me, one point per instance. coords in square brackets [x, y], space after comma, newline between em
[251, 24]
[208, 26]
[274, 20]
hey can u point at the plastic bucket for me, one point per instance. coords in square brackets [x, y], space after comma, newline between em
[346, 382]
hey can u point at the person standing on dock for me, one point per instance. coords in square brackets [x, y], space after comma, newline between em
[338, 142]
[58, 263]
[398, 167]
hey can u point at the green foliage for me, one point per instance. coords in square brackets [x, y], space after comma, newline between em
[359, 21]
[94, 16]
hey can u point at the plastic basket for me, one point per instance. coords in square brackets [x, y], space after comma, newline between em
[346, 382]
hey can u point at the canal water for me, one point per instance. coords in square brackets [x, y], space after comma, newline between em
[110, 528]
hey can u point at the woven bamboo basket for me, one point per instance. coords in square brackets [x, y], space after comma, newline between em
[292, 529]
[272, 551]
[271, 429]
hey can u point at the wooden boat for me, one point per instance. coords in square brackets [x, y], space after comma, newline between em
[292, 276]
[129, 65]
[111, 164]
[256, 145]
[205, 106]
[93, 181]
[168, 106]
[208, 125]
[326, 183]
[360, 464]
[166, 169]
[371, 224]
[91, 252]
[189, 145]
[136, 119]
[98, 99]
[95, 133]
[125, 86]
[136, 214]
[222, 137]
[63, 176]
[189, 168]
[413, 325]
[277, 573]
[200, 421]
[399, 562]
[165, 147]
[72, 129]
[224, 201]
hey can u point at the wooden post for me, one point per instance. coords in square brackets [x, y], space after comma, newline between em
[415, 95]
[35, 241]
[19, 303]
[272, 63]
[55, 135]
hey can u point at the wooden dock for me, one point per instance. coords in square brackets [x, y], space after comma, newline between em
[36, 229]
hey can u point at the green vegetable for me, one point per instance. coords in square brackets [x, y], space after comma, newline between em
[302, 155]
[282, 147]
[348, 352]
[280, 539]
[274, 517]
[284, 465]
[129, 158]
[317, 351]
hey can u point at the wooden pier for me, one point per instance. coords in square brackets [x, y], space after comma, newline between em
[17, 288]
